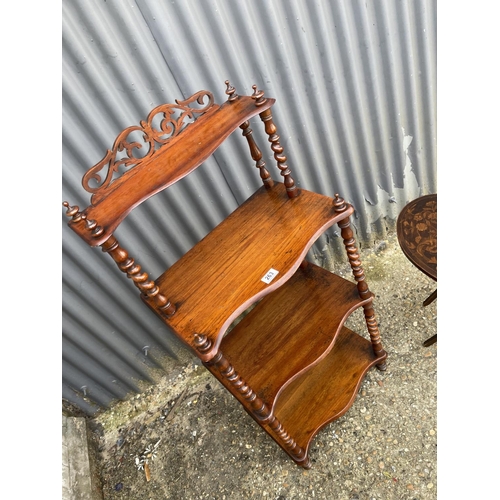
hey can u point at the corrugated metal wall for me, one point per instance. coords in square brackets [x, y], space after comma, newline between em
[355, 83]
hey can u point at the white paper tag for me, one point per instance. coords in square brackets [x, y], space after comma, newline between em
[269, 276]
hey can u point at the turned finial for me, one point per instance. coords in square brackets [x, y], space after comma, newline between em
[339, 204]
[258, 95]
[73, 212]
[202, 343]
[70, 211]
[231, 92]
[91, 225]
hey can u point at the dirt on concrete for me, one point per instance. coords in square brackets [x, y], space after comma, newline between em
[188, 438]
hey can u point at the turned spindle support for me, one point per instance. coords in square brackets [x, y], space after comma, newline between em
[253, 402]
[140, 279]
[297, 453]
[359, 275]
[256, 155]
[125, 263]
[267, 117]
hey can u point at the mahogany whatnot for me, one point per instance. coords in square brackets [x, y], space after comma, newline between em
[290, 360]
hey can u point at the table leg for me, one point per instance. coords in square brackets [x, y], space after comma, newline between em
[430, 340]
[431, 298]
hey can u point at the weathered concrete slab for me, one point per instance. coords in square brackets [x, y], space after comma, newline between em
[79, 480]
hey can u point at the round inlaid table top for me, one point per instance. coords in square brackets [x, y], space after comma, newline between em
[417, 233]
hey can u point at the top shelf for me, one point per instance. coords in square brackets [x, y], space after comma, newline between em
[268, 231]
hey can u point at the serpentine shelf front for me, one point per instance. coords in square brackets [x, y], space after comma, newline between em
[290, 330]
[248, 255]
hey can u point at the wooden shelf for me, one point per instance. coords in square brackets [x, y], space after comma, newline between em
[290, 330]
[291, 352]
[221, 276]
[294, 351]
[326, 391]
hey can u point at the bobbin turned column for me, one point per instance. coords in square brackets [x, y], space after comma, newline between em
[125, 263]
[267, 118]
[257, 155]
[140, 278]
[359, 275]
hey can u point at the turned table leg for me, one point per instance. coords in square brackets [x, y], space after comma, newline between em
[431, 298]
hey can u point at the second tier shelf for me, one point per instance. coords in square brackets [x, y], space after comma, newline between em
[290, 330]
[222, 275]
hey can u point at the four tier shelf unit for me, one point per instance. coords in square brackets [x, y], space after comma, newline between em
[289, 359]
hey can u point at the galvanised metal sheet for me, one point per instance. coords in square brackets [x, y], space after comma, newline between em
[355, 83]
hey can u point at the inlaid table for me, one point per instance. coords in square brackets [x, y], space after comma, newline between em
[417, 237]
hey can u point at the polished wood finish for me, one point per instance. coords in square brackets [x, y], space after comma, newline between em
[274, 333]
[417, 235]
[270, 231]
[147, 135]
[256, 155]
[274, 138]
[326, 391]
[268, 324]
[359, 276]
[141, 279]
[174, 160]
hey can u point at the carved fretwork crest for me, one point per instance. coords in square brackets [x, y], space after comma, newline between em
[138, 143]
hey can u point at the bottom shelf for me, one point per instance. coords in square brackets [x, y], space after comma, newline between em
[327, 390]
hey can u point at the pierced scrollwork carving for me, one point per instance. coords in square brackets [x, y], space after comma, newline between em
[162, 124]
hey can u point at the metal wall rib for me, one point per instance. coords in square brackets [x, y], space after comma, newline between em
[355, 83]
